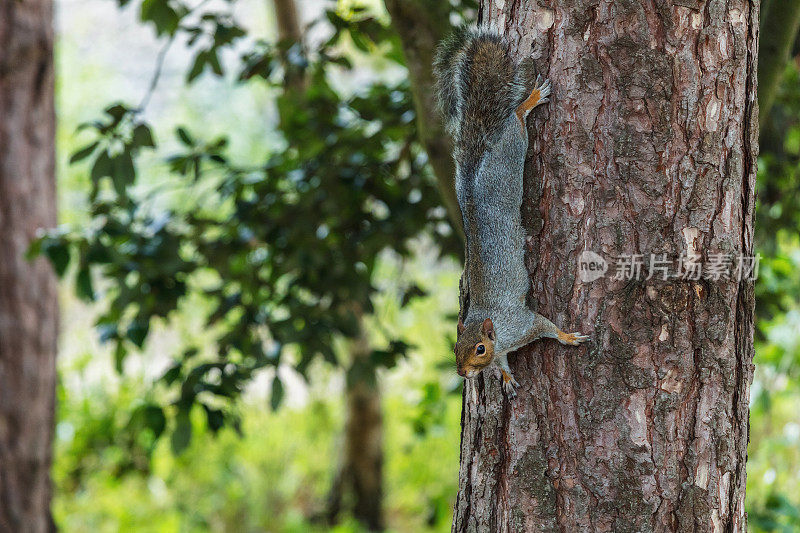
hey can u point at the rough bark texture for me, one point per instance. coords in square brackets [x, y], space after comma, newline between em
[649, 146]
[421, 24]
[28, 307]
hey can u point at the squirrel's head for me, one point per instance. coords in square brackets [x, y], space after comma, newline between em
[474, 347]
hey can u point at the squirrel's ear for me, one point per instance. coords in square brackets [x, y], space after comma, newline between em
[488, 328]
[461, 326]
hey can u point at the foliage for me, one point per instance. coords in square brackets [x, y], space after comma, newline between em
[272, 479]
[283, 253]
[275, 477]
[773, 480]
[778, 206]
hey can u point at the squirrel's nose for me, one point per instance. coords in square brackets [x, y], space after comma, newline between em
[462, 372]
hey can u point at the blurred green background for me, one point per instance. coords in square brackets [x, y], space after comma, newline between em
[264, 455]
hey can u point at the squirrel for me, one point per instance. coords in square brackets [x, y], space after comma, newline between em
[485, 98]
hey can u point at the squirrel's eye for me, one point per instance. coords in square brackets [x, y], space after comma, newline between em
[480, 349]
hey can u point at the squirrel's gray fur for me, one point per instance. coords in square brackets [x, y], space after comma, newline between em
[476, 78]
[480, 89]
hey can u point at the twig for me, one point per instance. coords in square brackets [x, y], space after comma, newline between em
[162, 54]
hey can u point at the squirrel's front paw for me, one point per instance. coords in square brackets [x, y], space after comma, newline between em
[510, 386]
[571, 339]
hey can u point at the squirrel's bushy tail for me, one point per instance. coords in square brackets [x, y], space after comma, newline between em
[477, 84]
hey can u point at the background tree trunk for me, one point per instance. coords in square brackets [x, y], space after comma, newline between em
[290, 33]
[779, 23]
[359, 481]
[649, 146]
[28, 306]
[421, 24]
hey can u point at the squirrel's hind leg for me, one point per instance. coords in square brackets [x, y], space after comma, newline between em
[545, 328]
[539, 95]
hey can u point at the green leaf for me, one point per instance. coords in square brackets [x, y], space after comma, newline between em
[58, 253]
[98, 253]
[412, 292]
[277, 392]
[172, 375]
[119, 356]
[102, 167]
[338, 22]
[149, 416]
[35, 249]
[215, 418]
[383, 358]
[182, 435]
[83, 285]
[142, 136]
[198, 65]
[184, 136]
[361, 41]
[137, 332]
[155, 419]
[124, 173]
[213, 60]
[161, 15]
[83, 153]
[117, 111]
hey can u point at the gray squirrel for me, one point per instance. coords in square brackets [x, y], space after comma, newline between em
[485, 98]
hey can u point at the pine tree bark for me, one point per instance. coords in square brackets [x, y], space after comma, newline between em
[649, 146]
[28, 307]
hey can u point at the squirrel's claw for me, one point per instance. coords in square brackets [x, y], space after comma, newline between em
[544, 89]
[510, 388]
[572, 339]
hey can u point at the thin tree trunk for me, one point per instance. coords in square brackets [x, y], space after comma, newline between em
[28, 306]
[649, 146]
[360, 477]
[287, 21]
[779, 26]
[364, 442]
[290, 33]
[421, 25]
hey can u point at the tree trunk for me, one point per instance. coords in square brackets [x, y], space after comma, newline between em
[780, 23]
[290, 34]
[421, 24]
[649, 146]
[360, 478]
[28, 306]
